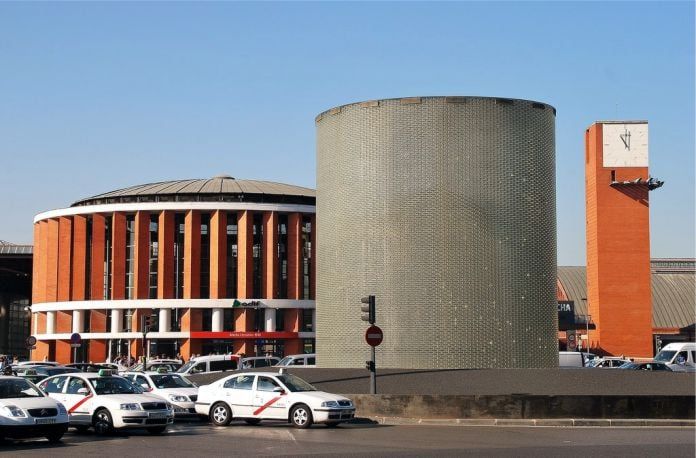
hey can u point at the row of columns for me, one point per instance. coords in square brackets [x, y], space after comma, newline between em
[61, 257]
[217, 324]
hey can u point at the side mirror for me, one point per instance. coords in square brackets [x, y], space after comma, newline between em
[83, 391]
[278, 390]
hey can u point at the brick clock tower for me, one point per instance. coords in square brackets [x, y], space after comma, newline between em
[617, 184]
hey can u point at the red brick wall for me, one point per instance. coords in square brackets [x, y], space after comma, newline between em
[618, 255]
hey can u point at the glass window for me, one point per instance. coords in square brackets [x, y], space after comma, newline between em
[311, 361]
[306, 255]
[171, 381]
[18, 388]
[223, 365]
[307, 320]
[228, 320]
[266, 384]
[231, 244]
[294, 383]
[205, 257]
[142, 382]
[130, 259]
[75, 384]
[282, 256]
[179, 224]
[280, 320]
[240, 382]
[257, 254]
[154, 254]
[54, 385]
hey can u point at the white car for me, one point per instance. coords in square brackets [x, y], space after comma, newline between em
[105, 402]
[256, 396]
[27, 412]
[170, 387]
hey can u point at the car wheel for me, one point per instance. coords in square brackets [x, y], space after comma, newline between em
[103, 424]
[252, 421]
[220, 414]
[156, 429]
[301, 416]
[332, 424]
[55, 437]
[81, 429]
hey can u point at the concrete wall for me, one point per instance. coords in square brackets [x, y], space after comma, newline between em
[444, 208]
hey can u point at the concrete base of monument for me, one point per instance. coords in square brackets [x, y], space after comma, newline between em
[508, 394]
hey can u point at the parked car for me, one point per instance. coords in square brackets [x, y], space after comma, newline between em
[37, 363]
[254, 362]
[680, 357]
[91, 367]
[646, 366]
[37, 373]
[304, 360]
[155, 365]
[570, 359]
[256, 396]
[105, 402]
[211, 363]
[171, 387]
[608, 362]
[27, 412]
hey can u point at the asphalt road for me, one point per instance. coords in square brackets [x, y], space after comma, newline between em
[277, 439]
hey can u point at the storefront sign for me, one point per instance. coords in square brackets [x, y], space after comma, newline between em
[566, 315]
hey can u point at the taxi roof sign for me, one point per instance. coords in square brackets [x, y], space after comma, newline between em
[105, 372]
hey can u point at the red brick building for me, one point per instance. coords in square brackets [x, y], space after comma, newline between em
[617, 185]
[224, 265]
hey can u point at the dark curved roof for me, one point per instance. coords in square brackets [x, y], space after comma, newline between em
[221, 188]
[673, 293]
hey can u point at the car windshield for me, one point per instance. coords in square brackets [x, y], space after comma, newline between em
[18, 388]
[295, 384]
[187, 366]
[171, 381]
[628, 365]
[665, 356]
[285, 361]
[112, 385]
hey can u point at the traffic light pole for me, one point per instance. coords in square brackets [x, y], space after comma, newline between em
[373, 373]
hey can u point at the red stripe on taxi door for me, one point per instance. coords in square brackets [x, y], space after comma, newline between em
[266, 405]
[79, 403]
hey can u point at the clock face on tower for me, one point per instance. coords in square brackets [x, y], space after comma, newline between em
[625, 145]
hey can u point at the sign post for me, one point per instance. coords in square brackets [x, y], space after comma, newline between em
[31, 342]
[75, 343]
[373, 337]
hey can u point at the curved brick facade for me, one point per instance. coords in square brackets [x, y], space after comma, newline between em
[444, 208]
[224, 275]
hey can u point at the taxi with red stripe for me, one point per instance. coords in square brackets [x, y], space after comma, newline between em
[105, 402]
[256, 396]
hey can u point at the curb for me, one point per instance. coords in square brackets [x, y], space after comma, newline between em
[541, 422]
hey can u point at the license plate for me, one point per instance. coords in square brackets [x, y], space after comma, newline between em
[45, 421]
[158, 415]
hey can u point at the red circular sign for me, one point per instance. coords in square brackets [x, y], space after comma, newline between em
[374, 336]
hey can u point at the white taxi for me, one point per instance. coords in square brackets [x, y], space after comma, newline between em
[170, 387]
[27, 412]
[106, 402]
[256, 396]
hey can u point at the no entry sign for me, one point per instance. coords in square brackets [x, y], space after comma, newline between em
[374, 336]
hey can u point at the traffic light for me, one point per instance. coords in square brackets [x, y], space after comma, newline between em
[368, 309]
[150, 323]
[370, 366]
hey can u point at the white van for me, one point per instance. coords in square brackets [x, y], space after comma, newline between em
[223, 363]
[211, 363]
[304, 360]
[680, 357]
[570, 359]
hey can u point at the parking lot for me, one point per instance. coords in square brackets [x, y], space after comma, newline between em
[276, 439]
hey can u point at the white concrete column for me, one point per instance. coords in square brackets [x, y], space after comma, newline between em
[218, 320]
[116, 320]
[50, 322]
[165, 319]
[36, 324]
[270, 320]
[77, 321]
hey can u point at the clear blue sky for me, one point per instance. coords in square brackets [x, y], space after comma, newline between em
[99, 96]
